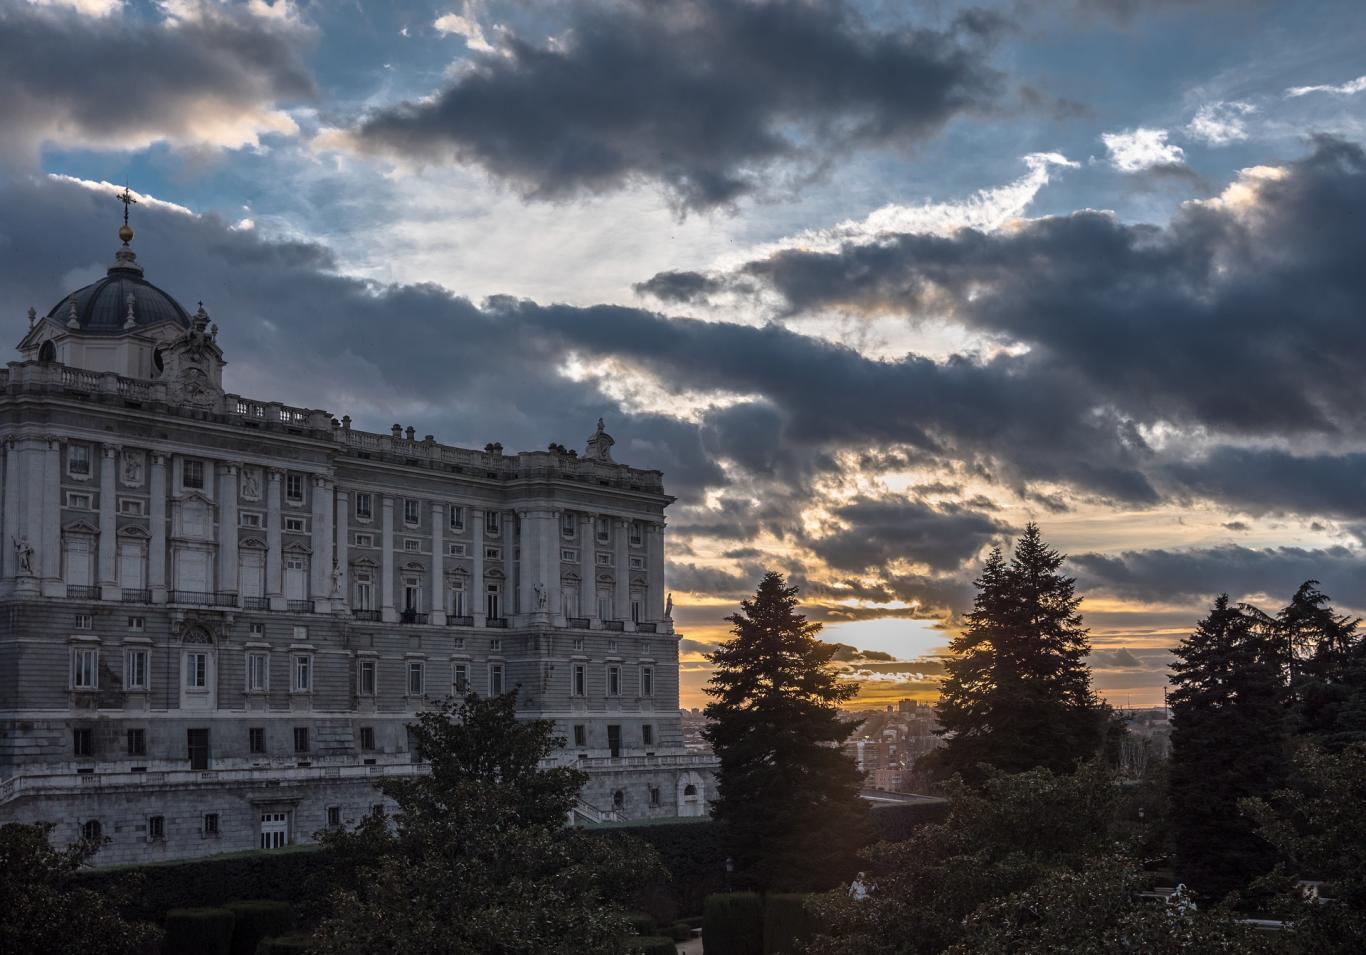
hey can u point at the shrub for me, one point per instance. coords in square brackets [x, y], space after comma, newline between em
[296, 943]
[642, 923]
[733, 924]
[679, 931]
[651, 945]
[198, 932]
[263, 918]
[787, 922]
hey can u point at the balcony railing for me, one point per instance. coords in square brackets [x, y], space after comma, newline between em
[454, 621]
[614, 625]
[299, 606]
[647, 628]
[371, 615]
[498, 623]
[82, 592]
[198, 598]
[132, 595]
[224, 600]
[255, 603]
[580, 623]
[412, 616]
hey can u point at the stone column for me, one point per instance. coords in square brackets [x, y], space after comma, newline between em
[321, 537]
[386, 580]
[654, 571]
[437, 602]
[588, 564]
[621, 572]
[477, 604]
[11, 517]
[343, 509]
[108, 572]
[227, 529]
[550, 567]
[156, 511]
[50, 557]
[274, 542]
[528, 540]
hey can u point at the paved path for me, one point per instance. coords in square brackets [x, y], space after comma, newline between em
[691, 947]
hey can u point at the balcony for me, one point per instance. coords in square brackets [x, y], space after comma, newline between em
[617, 625]
[454, 621]
[412, 616]
[255, 603]
[498, 623]
[371, 615]
[82, 592]
[647, 628]
[196, 598]
[299, 606]
[132, 595]
[578, 623]
[224, 600]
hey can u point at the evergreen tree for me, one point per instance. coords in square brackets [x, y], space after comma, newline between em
[788, 796]
[1017, 694]
[1325, 661]
[1229, 742]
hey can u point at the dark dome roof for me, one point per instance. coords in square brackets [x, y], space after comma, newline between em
[102, 307]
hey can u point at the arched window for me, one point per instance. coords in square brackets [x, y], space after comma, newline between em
[618, 799]
[47, 352]
[90, 829]
[690, 790]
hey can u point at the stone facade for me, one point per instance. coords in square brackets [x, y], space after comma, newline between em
[219, 614]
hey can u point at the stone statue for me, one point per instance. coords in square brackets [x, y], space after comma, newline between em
[251, 484]
[669, 607]
[600, 445]
[540, 595]
[132, 468]
[336, 580]
[24, 551]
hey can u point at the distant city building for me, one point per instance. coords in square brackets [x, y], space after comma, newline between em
[222, 612]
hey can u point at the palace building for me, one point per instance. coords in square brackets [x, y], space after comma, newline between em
[220, 613]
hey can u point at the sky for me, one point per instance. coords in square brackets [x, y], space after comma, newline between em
[874, 284]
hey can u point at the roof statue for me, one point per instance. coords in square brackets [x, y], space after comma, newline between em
[600, 446]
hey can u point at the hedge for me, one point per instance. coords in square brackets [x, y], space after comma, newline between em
[786, 923]
[258, 919]
[201, 931]
[651, 945]
[295, 944]
[733, 924]
[642, 923]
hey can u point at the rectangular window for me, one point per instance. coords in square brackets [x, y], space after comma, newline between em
[580, 679]
[614, 681]
[654, 796]
[458, 607]
[131, 506]
[365, 540]
[368, 676]
[294, 525]
[568, 525]
[300, 632]
[85, 669]
[412, 594]
[647, 681]
[303, 673]
[491, 523]
[196, 671]
[492, 602]
[258, 672]
[637, 563]
[457, 517]
[456, 549]
[294, 487]
[256, 739]
[637, 608]
[604, 559]
[569, 554]
[578, 643]
[495, 679]
[256, 629]
[613, 646]
[364, 507]
[78, 502]
[604, 527]
[635, 534]
[580, 735]
[495, 645]
[411, 544]
[365, 592]
[84, 622]
[137, 624]
[249, 519]
[301, 739]
[367, 738]
[493, 553]
[192, 474]
[78, 460]
[417, 677]
[137, 742]
[460, 678]
[411, 511]
[156, 827]
[135, 670]
[334, 816]
[210, 824]
[647, 734]
[83, 743]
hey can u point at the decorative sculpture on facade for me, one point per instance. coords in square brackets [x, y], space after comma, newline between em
[23, 550]
[251, 484]
[600, 446]
[540, 595]
[132, 468]
[336, 579]
[669, 607]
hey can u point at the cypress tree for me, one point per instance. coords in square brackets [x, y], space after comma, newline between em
[1017, 694]
[1229, 742]
[788, 796]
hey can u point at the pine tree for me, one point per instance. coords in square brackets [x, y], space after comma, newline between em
[1325, 660]
[1229, 742]
[788, 796]
[1017, 694]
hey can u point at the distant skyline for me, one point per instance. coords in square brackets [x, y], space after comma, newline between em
[873, 284]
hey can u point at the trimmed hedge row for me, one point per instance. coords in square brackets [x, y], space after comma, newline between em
[296, 944]
[651, 945]
[733, 924]
[199, 931]
[257, 920]
[786, 922]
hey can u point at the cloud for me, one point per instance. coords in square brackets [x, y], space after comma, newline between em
[1220, 123]
[206, 75]
[1138, 149]
[89, 8]
[872, 533]
[1350, 88]
[466, 25]
[712, 99]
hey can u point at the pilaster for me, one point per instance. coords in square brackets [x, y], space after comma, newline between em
[588, 584]
[227, 528]
[156, 511]
[478, 605]
[107, 569]
[386, 580]
[621, 573]
[437, 600]
[274, 542]
[342, 505]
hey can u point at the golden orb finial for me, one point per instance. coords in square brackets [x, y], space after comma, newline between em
[126, 233]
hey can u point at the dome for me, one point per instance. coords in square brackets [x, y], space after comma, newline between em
[102, 307]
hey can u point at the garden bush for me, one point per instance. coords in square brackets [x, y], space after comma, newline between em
[786, 923]
[258, 919]
[202, 931]
[296, 943]
[642, 923]
[733, 924]
[679, 931]
[651, 945]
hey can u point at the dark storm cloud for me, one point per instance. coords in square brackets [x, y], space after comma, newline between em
[713, 99]
[192, 80]
[679, 287]
[1271, 481]
[875, 532]
[1200, 574]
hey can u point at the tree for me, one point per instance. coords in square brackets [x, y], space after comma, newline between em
[1229, 741]
[1017, 693]
[478, 857]
[1325, 661]
[46, 910]
[788, 797]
